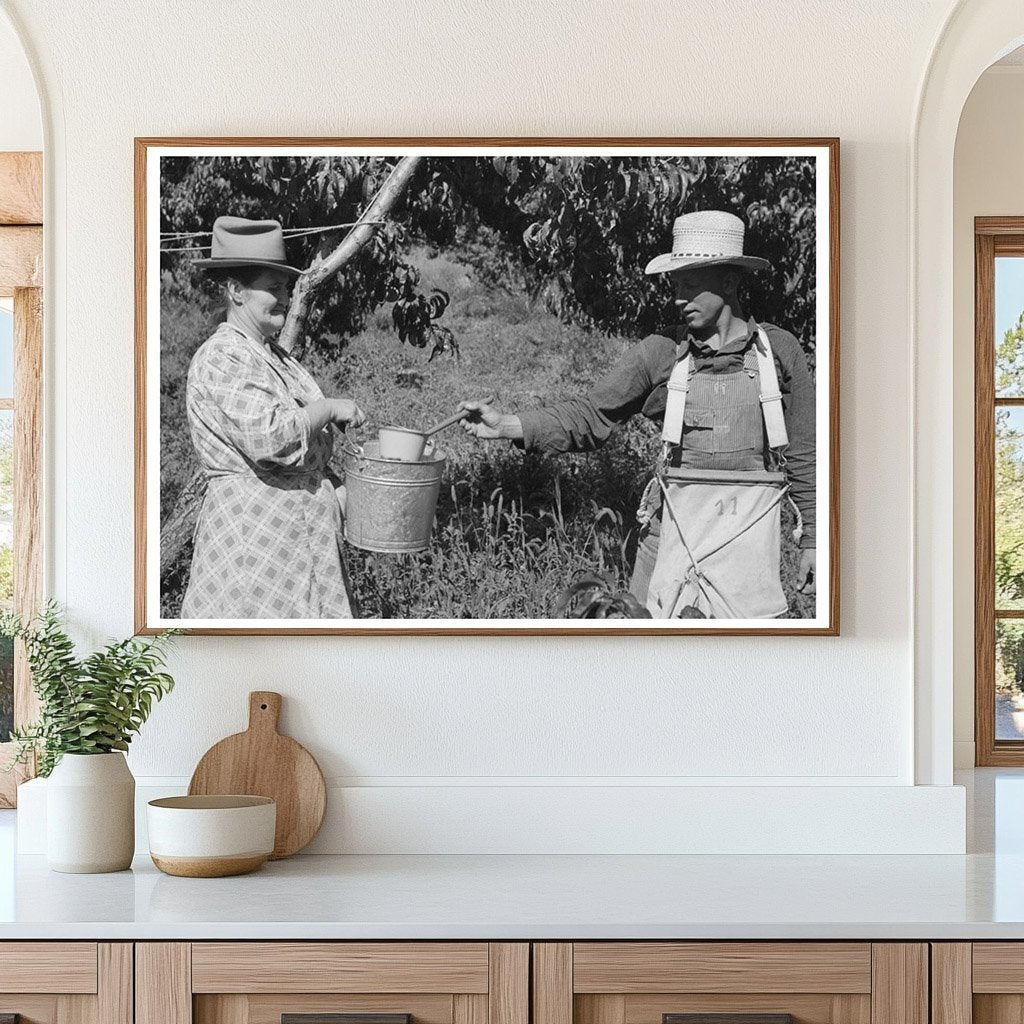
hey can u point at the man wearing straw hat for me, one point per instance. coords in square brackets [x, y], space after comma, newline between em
[736, 403]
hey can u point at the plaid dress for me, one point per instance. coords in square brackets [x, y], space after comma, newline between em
[268, 539]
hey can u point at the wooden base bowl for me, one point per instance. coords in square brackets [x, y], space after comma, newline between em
[211, 836]
[208, 867]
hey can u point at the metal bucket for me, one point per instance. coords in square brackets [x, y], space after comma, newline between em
[390, 504]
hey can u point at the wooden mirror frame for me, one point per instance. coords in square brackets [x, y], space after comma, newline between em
[21, 278]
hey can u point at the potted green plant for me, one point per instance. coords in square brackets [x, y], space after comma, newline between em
[90, 707]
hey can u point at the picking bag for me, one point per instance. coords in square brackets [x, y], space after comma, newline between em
[719, 553]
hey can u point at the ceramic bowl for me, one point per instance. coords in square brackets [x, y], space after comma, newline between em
[211, 836]
[401, 443]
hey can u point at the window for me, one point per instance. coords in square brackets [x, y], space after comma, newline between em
[21, 336]
[999, 490]
[6, 510]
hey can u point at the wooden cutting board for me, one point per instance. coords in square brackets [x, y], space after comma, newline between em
[262, 762]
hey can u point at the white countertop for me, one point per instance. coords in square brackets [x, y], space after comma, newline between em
[518, 897]
[976, 896]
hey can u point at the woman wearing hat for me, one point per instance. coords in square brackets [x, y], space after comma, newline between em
[736, 403]
[268, 539]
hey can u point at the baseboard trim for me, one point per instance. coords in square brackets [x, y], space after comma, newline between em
[682, 819]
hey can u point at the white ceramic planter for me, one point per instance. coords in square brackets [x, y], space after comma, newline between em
[90, 814]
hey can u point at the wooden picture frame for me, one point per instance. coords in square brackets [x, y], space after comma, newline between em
[822, 153]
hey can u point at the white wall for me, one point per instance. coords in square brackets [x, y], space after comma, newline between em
[988, 182]
[21, 127]
[440, 713]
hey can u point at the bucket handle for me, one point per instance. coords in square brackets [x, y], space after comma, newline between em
[355, 448]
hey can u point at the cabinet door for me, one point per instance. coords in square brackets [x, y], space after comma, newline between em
[332, 983]
[730, 983]
[980, 982]
[66, 982]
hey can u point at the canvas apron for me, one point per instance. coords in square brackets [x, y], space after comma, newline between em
[719, 552]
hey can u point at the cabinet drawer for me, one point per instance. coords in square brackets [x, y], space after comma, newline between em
[66, 982]
[751, 967]
[332, 983]
[998, 967]
[340, 967]
[65, 967]
[730, 983]
[642, 982]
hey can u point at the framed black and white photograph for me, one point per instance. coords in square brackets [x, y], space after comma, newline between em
[487, 386]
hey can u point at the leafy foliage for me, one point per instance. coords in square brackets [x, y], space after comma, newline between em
[1009, 509]
[89, 705]
[594, 597]
[1010, 361]
[6, 572]
[300, 192]
[1009, 656]
[587, 227]
[580, 230]
[1009, 466]
[6, 688]
[1009, 521]
[413, 314]
[514, 528]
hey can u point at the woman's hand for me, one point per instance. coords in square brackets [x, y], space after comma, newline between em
[342, 412]
[488, 423]
[345, 413]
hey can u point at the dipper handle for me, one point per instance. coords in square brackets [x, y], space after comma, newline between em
[460, 415]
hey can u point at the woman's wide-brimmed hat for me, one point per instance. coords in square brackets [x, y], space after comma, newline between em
[239, 242]
[708, 238]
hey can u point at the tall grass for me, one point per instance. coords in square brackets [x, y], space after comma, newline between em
[513, 529]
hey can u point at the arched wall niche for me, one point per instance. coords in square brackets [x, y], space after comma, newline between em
[975, 35]
[989, 148]
[21, 121]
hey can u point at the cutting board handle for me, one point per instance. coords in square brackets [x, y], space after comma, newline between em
[264, 710]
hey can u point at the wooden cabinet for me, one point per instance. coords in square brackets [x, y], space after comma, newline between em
[978, 983]
[66, 982]
[512, 983]
[759, 982]
[264, 982]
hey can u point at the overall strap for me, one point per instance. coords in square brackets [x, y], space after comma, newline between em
[771, 396]
[675, 404]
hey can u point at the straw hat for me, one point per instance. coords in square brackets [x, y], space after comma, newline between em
[708, 238]
[238, 242]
